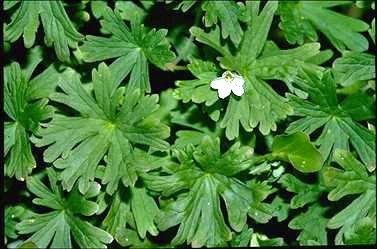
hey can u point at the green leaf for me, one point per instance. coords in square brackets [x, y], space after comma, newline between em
[204, 176]
[354, 179]
[354, 66]
[324, 110]
[301, 19]
[133, 48]
[184, 45]
[298, 150]
[198, 91]
[256, 34]
[192, 118]
[26, 117]
[313, 225]
[228, 13]
[135, 208]
[364, 233]
[260, 240]
[306, 193]
[144, 210]
[28, 244]
[372, 30]
[119, 213]
[58, 28]
[259, 105]
[285, 64]
[82, 141]
[184, 5]
[281, 208]
[127, 237]
[12, 215]
[97, 8]
[10, 4]
[212, 39]
[57, 226]
[128, 10]
[359, 106]
[243, 238]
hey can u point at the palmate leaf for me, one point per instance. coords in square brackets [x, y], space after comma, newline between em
[26, 111]
[132, 206]
[324, 110]
[260, 104]
[82, 141]
[204, 176]
[300, 19]
[58, 28]
[352, 179]
[132, 48]
[58, 225]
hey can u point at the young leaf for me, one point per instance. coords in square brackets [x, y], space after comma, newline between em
[58, 28]
[299, 19]
[134, 48]
[297, 149]
[57, 226]
[354, 179]
[99, 129]
[324, 110]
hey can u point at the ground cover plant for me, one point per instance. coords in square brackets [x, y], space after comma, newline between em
[189, 123]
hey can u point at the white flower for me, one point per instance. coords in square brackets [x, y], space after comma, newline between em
[227, 83]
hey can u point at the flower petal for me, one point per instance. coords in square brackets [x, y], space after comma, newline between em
[238, 80]
[237, 90]
[217, 83]
[224, 90]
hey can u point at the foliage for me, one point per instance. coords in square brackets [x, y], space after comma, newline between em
[124, 143]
